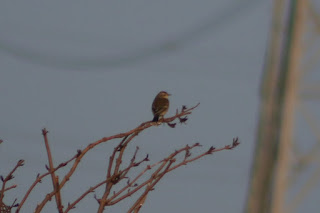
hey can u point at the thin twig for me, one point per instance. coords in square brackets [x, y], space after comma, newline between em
[81, 153]
[116, 174]
[90, 190]
[138, 204]
[10, 187]
[8, 178]
[54, 178]
[38, 180]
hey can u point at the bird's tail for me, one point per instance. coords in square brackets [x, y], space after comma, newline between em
[155, 118]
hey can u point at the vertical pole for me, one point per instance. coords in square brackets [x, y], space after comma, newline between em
[288, 97]
[280, 80]
[261, 172]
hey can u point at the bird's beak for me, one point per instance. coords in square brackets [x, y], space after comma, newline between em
[169, 94]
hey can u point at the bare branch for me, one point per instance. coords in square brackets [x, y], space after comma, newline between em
[115, 172]
[54, 178]
[8, 178]
[10, 187]
[90, 190]
[38, 180]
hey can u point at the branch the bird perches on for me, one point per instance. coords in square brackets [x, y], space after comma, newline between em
[145, 181]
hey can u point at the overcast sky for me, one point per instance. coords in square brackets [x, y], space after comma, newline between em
[85, 70]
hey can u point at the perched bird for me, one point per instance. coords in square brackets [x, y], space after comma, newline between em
[160, 105]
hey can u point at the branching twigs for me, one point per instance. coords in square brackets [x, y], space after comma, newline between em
[148, 177]
[7, 179]
[211, 150]
[169, 164]
[169, 161]
[116, 175]
[81, 153]
[123, 174]
[155, 178]
[38, 180]
[90, 190]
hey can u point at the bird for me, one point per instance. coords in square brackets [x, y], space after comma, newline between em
[160, 105]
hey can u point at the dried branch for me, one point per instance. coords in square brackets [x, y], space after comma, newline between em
[155, 179]
[132, 133]
[54, 178]
[7, 179]
[115, 173]
[90, 190]
[38, 180]
[170, 164]
[10, 187]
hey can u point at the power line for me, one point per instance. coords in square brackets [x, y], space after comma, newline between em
[184, 39]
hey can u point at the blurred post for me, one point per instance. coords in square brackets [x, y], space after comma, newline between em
[269, 178]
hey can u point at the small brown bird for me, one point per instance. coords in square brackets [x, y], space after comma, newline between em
[160, 105]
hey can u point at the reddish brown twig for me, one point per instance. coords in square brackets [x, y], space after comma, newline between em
[115, 175]
[115, 172]
[10, 187]
[7, 179]
[155, 179]
[169, 164]
[208, 152]
[38, 180]
[54, 178]
[171, 158]
[134, 132]
[90, 190]
[123, 174]
[138, 204]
